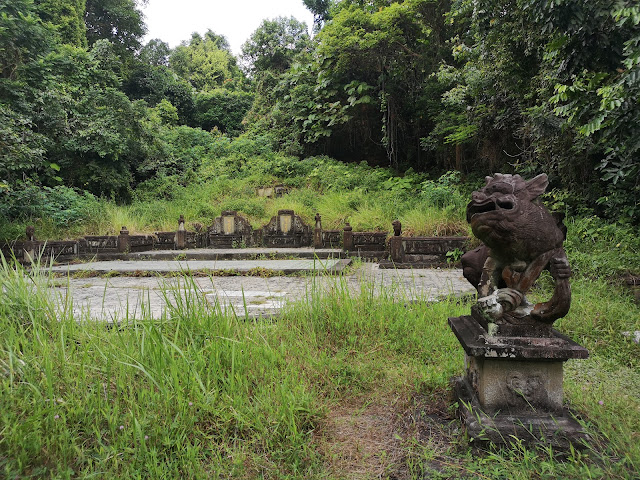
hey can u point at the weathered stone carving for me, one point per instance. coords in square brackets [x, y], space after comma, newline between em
[514, 359]
[230, 229]
[522, 239]
[397, 228]
[286, 229]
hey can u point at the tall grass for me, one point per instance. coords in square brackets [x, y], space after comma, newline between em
[369, 198]
[196, 394]
[200, 393]
[365, 211]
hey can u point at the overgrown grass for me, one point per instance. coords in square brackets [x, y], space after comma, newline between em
[202, 394]
[369, 198]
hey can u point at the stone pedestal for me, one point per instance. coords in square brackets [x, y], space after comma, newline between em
[347, 238]
[512, 386]
[123, 241]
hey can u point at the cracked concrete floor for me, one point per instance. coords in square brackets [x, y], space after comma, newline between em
[112, 298]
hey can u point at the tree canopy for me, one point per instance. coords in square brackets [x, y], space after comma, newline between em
[477, 86]
[275, 45]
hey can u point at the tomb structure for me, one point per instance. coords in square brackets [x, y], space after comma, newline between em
[231, 230]
[286, 229]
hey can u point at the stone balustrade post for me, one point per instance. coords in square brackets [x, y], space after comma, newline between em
[396, 247]
[123, 240]
[347, 238]
[29, 247]
[181, 234]
[317, 232]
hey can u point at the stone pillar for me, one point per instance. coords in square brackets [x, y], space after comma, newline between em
[317, 233]
[347, 238]
[29, 247]
[396, 247]
[123, 240]
[181, 234]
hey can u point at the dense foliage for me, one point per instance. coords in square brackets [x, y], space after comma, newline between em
[429, 85]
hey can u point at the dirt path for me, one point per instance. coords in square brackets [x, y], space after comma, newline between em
[359, 441]
[395, 437]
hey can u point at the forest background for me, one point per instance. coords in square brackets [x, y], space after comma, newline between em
[412, 88]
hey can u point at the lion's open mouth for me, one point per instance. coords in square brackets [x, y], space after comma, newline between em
[490, 206]
[476, 209]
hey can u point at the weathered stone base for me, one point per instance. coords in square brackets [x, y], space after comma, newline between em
[559, 430]
[512, 387]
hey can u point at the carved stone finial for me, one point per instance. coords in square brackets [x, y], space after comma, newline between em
[347, 227]
[124, 231]
[522, 239]
[397, 228]
[31, 233]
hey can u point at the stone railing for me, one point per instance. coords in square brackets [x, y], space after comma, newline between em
[231, 230]
[425, 250]
[365, 244]
[113, 245]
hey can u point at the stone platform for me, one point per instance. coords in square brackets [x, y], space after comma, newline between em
[208, 266]
[240, 254]
[113, 297]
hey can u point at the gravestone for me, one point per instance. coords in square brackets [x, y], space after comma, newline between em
[230, 230]
[286, 229]
[514, 361]
[276, 191]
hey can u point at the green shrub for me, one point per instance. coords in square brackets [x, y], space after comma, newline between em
[600, 249]
[61, 205]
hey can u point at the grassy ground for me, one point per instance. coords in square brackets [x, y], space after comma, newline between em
[341, 386]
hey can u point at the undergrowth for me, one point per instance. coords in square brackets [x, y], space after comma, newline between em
[370, 198]
[201, 393]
